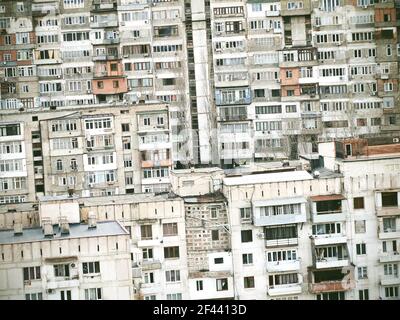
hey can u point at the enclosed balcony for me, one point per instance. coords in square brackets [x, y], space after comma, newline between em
[284, 284]
[332, 256]
[327, 208]
[332, 280]
[279, 211]
[389, 227]
[387, 203]
[283, 235]
[328, 233]
[282, 260]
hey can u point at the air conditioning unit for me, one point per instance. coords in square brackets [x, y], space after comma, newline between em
[396, 140]
[91, 185]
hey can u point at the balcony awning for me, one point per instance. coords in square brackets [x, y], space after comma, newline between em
[327, 197]
[278, 201]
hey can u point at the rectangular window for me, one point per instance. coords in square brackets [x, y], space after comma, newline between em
[215, 235]
[31, 273]
[171, 252]
[361, 248]
[247, 258]
[34, 296]
[363, 294]
[389, 199]
[91, 267]
[222, 284]
[61, 270]
[248, 282]
[362, 272]
[359, 226]
[358, 203]
[173, 276]
[247, 235]
[199, 285]
[146, 232]
[93, 294]
[170, 229]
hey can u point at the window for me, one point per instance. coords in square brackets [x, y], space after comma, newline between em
[359, 226]
[247, 235]
[173, 276]
[170, 229]
[247, 258]
[59, 165]
[214, 213]
[361, 248]
[65, 295]
[291, 109]
[199, 285]
[331, 296]
[391, 269]
[245, 213]
[146, 232]
[289, 74]
[93, 294]
[174, 296]
[282, 255]
[222, 284]
[363, 294]
[150, 297]
[34, 296]
[115, 84]
[389, 199]
[125, 127]
[171, 252]
[91, 267]
[389, 50]
[388, 86]
[391, 292]
[218, 260]
[215, 235]
[248, 282]
[31, 273]
[358, 203]
[147, 253]
[61, 270]
[148, 277]
[362, 272]
[100, 85]
[389, 224]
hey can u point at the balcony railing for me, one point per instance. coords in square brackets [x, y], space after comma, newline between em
[281, 242]
[332, 286]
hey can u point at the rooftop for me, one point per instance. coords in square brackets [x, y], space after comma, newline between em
[206, 198]
[268, 178]
[106, 228]
[196, 170]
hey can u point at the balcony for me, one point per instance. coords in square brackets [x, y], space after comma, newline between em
[332, 286]
[284, 289]
[105, 57]
[282, 266]
[156, 163]
[388, 211]
[335, 262]
[327, 208]
[276, 209]
[151, 265]
[155, 145]
[389, 233]
[281, 242]
[385, 257]
[43, 9]
[325, 239]
[63, 283]
[389, 280]
[148, 242]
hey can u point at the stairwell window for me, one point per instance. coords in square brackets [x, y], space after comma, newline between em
[362, 273]
[248, 282]
[173, 276]
[247, 236]
[361, 248]
[247, 258]
[171, 252]
[170, 229]
[222, 284]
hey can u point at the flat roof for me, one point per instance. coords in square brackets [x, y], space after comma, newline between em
[268, 178]
[76, 230]
[196, 170]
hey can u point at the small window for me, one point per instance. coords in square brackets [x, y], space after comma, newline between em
[100, 84]
[115, 84]
[248, 282]
[114, 67]
[247, 258]
[222, 284]
[247, 236]
[199, 285]
[170, 229]
[171, 252]
[359, 226]
[91, 267]
[218, 260]
[125, 127]
[363, 294]
[215, 235]
[389, 199]
[358, 203]
[361, 248]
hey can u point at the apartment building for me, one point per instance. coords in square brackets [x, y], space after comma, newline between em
[209, 258]
[65, 259]
[98, 150]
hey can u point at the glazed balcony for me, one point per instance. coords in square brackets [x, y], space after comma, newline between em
[389, 280]
[283, 266]
[284, 289]
[327, 208]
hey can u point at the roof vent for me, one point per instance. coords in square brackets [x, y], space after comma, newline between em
[64, 225]
[92, 223]
[47, 228]
[18, 229]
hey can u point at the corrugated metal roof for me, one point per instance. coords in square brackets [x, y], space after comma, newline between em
[105, 228]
